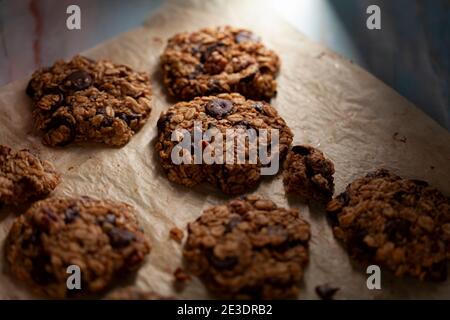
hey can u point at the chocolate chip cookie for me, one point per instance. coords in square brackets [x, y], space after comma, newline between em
[24, 176]
[87, 100]
[219, 60]
[222, 114]
[249, 248]
[402, 225]
[308, 174]
[101, 237]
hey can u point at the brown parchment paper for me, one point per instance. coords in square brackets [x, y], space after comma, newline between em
[359, 122]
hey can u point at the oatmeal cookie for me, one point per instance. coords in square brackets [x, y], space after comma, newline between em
[249, 248]
[24, 176]
[87, 100]
[219, 114]
[133, 293]
[219, 60]
[308, 174]
[402, 225]
[101, 237]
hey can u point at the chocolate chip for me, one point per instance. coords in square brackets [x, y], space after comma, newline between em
[46, 219]
[55, 91]
[39, 272]
[325, 292]
[301, 150]
[226, 263]
[50, 214]
[197, 71]
[120, 237]
[107, 122]
[24, 186]
[356, 243]
[397, 229]
[30, 90]
[208, 51]
[214, 87]
[59, 121]
[259, 107]
[310, 172]
[218, 108]
[71, 214]
[325, 169]
[398, 196]
[128, 118]
[333, 218]
[101, 111]
[195, 50]
[246, 36]
[248, 78]
[34, 239]
[78, 80]
[344, 198]
[163, 121]
[265, 70]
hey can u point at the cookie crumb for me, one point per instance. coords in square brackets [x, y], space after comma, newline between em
[181, 275]
[326, 292]
[176, 234]
[157, 40]
[25, 176]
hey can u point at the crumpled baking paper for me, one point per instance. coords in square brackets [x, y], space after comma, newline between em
[359, 122]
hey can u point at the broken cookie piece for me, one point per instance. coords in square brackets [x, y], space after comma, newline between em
[308, 174]
[23, 176]
[176, 234]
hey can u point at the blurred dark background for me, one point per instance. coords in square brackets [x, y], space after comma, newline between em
[411, 52]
